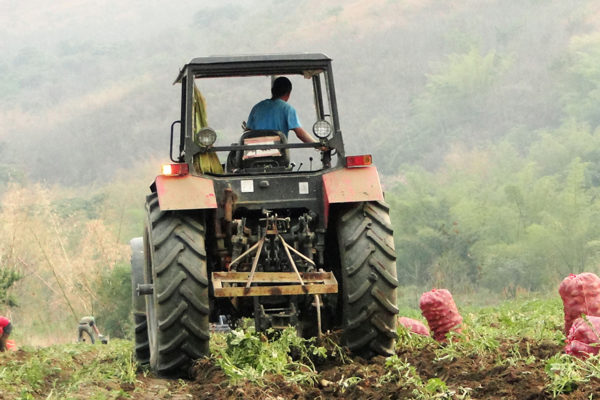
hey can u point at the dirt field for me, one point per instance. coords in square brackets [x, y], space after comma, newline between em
[475, 378]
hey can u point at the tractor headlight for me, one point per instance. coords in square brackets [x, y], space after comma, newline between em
[206, 137]
[322, 129]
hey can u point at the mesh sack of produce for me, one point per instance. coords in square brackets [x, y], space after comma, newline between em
[581, 296]
[582, 340]
[439, 309]
[413, 326]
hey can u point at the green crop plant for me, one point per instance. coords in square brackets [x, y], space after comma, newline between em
[347, 383]
[412, 341]
[57, 372]
[406, 376]
[251, 356]
[401, 372]
[564, 374]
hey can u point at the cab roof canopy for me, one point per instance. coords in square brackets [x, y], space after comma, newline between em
[268, 64]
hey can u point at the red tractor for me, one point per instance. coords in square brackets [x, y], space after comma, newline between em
[256, 236]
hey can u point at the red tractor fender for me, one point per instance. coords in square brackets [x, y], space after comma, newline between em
[351, 185]
[185, 192]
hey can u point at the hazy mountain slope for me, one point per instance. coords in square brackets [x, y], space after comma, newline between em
[76, 77]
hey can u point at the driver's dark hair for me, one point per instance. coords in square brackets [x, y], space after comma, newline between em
[281, 87]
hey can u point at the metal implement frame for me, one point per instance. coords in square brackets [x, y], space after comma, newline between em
[287, 283]
[239, 284]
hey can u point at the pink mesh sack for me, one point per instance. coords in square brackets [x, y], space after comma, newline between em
[414, 326]
[439, 309]
[582, 339]
[580, 295]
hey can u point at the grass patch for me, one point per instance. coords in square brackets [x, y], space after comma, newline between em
[59, 371]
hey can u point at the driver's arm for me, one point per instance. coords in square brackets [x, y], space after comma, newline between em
[303, 135]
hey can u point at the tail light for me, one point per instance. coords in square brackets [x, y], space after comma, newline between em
[175, 169]
[359, 161]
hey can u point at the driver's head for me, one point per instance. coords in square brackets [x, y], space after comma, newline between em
[281, 87]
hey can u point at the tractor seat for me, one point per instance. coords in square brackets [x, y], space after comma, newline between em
[272, 159]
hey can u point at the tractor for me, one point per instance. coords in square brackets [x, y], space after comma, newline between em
[257, 236]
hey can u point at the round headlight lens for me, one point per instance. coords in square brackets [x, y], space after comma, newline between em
[206, 137]
[322, 129]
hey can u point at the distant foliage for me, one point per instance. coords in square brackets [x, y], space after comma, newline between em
[485, 221]
[581, 86]
[438, 74]
[65, 246]
[455, 105]
[112, 306]
[7, 278]
[517, 215]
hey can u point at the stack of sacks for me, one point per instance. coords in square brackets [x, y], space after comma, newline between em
[439, 309]
[413, 326]
[580, 295]
[582, 340]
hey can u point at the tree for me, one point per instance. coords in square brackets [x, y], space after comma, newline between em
[7, 278]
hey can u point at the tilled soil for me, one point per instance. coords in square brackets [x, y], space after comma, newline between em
[480, 376]
[477, 377]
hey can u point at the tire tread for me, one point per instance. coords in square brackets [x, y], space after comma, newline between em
[369, 278]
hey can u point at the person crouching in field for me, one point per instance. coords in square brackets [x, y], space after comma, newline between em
[5, 329]
[86, 325]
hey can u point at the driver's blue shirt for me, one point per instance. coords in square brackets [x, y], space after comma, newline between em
[275, 115]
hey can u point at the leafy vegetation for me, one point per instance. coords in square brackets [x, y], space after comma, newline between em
[7, 278]
[249, 356]
[518, 337]
[113, 302]
[494, 220]
[525, 335]
[513, 350]
[69, 252]
[61, 371]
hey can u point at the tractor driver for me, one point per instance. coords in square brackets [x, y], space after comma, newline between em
[276, 114]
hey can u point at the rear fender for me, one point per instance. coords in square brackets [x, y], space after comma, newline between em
[351, 185]
[185, 192]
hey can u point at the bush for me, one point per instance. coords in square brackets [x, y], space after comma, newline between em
[7, 278]
[113, 303]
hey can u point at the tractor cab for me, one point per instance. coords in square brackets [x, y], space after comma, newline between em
[203, 128]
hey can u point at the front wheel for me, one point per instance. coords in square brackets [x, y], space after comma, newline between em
[142, 348]
[369, 279]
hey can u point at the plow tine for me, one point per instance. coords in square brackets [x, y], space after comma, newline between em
[286, 247]
[297, 252]
[255, 262]
[244, 254]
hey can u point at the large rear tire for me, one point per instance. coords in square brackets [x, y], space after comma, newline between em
[142, 348]
[369, 279]
[178, 309]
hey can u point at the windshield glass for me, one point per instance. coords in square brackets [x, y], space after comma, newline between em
[228, 102]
